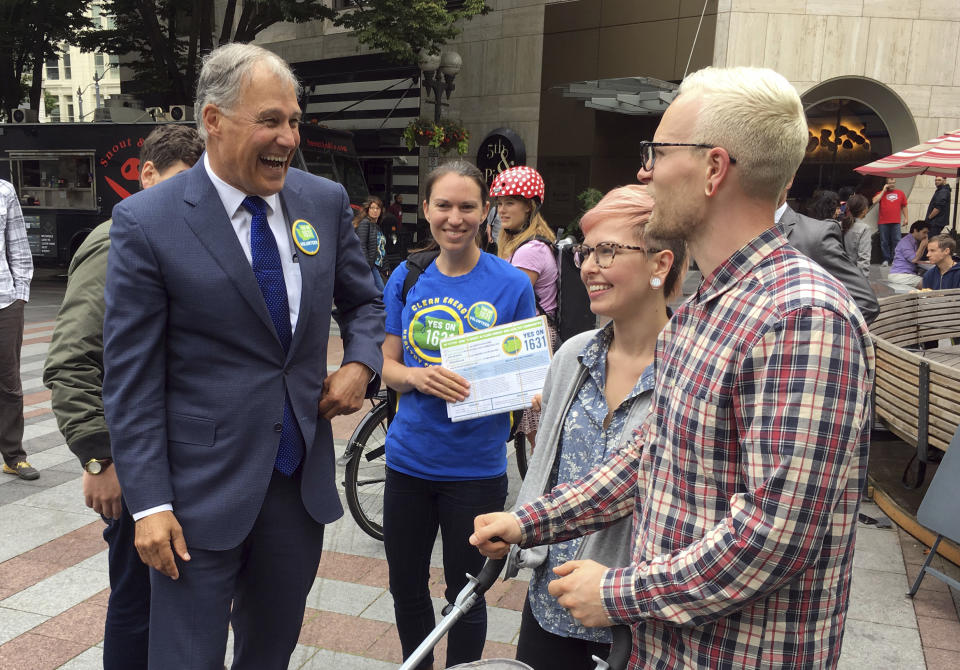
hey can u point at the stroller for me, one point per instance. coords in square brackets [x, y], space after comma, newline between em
[476, 587]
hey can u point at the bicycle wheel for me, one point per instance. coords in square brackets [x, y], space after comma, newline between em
[366, 472]
[521, 445]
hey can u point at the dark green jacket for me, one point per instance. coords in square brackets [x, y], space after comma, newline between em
[74, 366]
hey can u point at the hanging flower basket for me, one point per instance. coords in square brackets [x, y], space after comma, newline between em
[455, 137]
[423, 132]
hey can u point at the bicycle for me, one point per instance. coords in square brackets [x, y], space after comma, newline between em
[366, 454]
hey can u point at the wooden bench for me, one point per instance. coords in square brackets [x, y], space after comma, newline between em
[917, 390]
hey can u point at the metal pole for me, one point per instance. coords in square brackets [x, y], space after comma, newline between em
[96, 89]
[80, 102]
[956, 190]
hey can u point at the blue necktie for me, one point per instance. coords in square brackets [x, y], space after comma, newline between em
[269, 273]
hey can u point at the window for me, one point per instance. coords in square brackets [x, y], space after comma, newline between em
[53, 68]
[66, 64]
[115, 62]
[98, 63]
[95, 16]
[62, 180]
[68, 101]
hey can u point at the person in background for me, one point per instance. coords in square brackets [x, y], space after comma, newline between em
[441, 474]
[396, 207]
[945, 273]
[16, 271]
[857, 238]
[525, 241]
[74, 374]
[597, 391]
[367, 225]
[892, 215]
[938, 211]
[821, 241]
[844, 193]
[910, 249]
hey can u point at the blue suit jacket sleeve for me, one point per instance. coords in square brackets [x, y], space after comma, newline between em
[134, 363]
[360, 313]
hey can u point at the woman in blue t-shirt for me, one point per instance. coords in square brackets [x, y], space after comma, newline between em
[440, 474]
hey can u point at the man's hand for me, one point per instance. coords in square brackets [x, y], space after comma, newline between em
[440, 382]
[343, 391]
[154, 536]
[536, 402]
[578, 591]
[102, 492]
[500, 525]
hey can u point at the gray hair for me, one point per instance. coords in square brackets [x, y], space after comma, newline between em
[756, 115]
[226, 69]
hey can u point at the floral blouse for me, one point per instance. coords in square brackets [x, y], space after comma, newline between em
[584, 444]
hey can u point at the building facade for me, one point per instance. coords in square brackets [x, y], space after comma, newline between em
[876, 76]
[72, 78]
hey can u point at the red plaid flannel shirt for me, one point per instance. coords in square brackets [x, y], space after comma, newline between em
[745, 480]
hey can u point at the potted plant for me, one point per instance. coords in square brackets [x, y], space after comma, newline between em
[588, 200]
[423, 132]
[455, 137]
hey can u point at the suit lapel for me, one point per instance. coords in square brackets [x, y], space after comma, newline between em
[210, 223]
[295, 206]
[788, 221]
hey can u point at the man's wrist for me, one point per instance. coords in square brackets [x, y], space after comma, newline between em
[167, 507]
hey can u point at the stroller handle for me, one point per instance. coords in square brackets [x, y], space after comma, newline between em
[622, 637]
[488, 575]
[620, 649]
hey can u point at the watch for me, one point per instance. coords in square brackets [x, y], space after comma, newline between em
[97, 465]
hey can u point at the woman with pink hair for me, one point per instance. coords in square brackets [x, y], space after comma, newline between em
[597, 391]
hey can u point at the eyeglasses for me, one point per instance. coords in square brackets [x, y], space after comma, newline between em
[605, 253]
[648, 156]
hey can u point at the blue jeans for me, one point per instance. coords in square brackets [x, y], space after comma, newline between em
[377, 279]
[127, 630]
[413, 510]
[889, 236]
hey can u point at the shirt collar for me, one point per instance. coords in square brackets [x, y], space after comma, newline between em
[779, 213]
[735, 268]
[231, 197]
[593, 357]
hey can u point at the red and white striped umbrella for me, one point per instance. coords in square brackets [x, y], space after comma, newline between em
[939, 157]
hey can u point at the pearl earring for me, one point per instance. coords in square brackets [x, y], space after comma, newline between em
[656, 282]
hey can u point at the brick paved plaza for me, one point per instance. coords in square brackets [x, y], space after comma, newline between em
[54, 586]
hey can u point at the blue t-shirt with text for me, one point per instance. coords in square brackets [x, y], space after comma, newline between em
[422, 441]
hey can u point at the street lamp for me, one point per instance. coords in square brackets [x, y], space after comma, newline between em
[96, 89]
[439, 71]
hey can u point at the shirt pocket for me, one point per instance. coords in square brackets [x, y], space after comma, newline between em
[700, 432]
[191, 429]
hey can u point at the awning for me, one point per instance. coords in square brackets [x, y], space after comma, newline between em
[636, 96]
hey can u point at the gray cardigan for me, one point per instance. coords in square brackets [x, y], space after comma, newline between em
[612, 546]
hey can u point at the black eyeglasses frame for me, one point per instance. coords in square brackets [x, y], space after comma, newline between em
[581, 252]
[647, 154]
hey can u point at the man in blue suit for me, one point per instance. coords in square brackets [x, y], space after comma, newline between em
[220, 284]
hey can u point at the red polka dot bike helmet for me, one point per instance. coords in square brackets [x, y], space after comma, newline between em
[522, 180]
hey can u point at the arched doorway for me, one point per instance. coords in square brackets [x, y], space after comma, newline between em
[851, 121]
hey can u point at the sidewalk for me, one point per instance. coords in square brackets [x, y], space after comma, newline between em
[53, 571]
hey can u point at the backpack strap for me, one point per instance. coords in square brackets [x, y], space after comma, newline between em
[417, 263]
[551, 319]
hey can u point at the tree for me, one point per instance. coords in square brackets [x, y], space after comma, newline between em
[171, 36]
[33, 32]
[402, 28]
